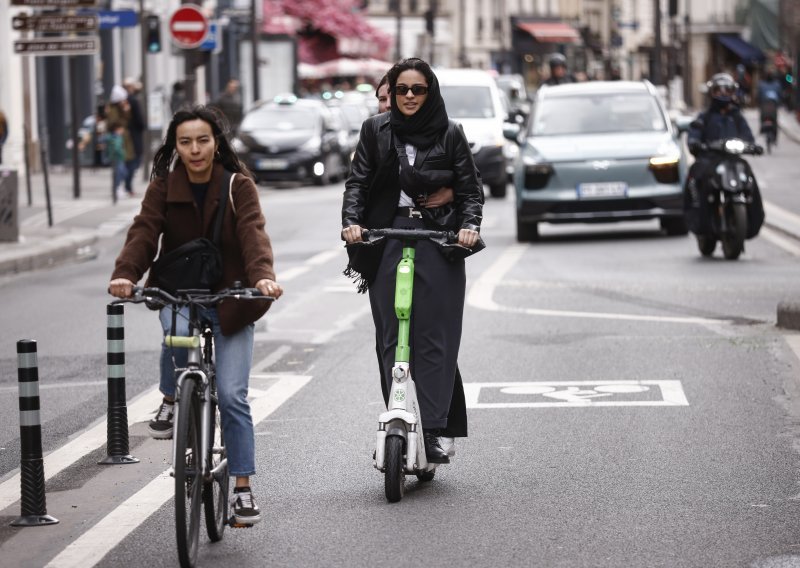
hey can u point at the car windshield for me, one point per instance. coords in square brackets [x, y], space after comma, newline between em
[468, 101]
[281, 119]
[595, 114]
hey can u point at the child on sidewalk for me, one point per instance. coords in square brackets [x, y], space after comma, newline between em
[116, 154]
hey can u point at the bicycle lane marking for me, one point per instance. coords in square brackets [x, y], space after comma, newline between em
[100, 539]
[481, 296]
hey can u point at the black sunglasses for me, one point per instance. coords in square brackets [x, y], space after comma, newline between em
[402, 90]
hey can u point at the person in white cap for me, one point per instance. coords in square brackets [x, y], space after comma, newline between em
[118, 113]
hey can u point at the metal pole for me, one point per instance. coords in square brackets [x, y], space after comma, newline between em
[145, 92]
[26, 112]
[398, 40]
[688, 75]
[33, 502]
[43, 142]
[657, 77]
[117, 418]
[73, 95]
[254, 39]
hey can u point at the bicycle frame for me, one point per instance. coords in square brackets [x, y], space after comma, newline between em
[197, 343]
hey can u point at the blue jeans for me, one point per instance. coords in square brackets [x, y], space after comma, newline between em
[233, 358]
[120, 173]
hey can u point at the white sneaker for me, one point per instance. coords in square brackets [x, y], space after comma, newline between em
[448, 445]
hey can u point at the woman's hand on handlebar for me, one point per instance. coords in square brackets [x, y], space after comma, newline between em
[441, 196]
[352, 234]
[270, 288]
[121, 288]
[467, 238]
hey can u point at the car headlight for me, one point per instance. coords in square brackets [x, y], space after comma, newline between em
[239, 147]
[536, 174]
[665, 168]
[735, 146]
[311, 145]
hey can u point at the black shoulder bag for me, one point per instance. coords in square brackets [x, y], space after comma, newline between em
[198, 263]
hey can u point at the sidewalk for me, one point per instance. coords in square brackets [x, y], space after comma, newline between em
[77, 223]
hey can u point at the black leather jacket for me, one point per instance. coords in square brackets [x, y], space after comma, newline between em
[450, 152]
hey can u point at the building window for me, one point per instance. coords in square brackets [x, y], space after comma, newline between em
[479, 31]
[497, 29]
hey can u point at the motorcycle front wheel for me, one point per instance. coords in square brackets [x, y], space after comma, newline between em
[736, 221]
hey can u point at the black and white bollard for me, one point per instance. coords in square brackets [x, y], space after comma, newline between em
[34, 507]
[117, 423]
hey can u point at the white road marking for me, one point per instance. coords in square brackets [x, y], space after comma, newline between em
[100, 539]
[787, 244]
[481, 296]
[577, 393]
[291, 273]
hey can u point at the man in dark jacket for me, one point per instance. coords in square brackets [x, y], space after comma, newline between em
[136, 128]
[230, 103]
[558, 71]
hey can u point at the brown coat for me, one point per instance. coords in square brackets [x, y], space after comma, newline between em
[169, 208]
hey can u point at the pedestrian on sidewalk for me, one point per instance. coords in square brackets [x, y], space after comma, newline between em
[230, 104]
[3, 133]
[115, 147]
[118, 113]
[136, 127]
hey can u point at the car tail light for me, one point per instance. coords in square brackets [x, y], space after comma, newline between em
[537, 175]
[665, 169]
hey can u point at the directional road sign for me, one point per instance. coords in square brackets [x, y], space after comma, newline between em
[188, 26]
[57, 46]
[54, 3]
[54, 23]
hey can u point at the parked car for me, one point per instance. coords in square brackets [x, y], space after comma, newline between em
[354, 111]
[291, 139]
[472, 98]
[600, 152]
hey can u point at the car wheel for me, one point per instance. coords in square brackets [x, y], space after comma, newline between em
[527, 231]
[498, 189]
[674, 226]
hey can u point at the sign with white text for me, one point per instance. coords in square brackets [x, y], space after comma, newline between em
[57, 46]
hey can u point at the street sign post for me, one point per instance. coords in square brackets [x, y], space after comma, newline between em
[188, 26]
[57, 46]
[54, 23]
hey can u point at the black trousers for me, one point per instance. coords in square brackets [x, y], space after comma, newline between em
[435, 337]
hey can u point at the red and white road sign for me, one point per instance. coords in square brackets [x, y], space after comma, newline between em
[188, 26]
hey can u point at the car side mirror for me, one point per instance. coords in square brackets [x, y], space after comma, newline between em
[683, 123]
[511, 131]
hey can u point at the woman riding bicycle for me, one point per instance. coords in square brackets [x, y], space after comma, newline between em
[180, 205]
[403, 157]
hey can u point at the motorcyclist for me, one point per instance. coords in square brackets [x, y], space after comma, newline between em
[558, 70]
[721, 121]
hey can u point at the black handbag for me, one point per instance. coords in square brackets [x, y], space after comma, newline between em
[198, 263]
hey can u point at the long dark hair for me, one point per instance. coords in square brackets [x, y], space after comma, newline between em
[225, 155]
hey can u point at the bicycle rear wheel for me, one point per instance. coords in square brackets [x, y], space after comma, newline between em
[188, 484]
[215, 491]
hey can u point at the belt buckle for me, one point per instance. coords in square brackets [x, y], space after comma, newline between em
[414, 213]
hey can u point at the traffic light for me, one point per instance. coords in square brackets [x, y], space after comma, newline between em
[153, 34]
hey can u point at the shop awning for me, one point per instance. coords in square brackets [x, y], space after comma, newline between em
[745, 51]
[550, 32]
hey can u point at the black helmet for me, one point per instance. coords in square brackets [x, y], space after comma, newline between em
[557, 60]
[722, 87]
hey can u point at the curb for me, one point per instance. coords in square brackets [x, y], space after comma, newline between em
[65, 249]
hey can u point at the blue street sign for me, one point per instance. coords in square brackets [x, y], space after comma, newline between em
[210, 43]
[117, 19]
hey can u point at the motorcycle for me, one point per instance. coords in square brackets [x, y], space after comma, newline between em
[727, 205]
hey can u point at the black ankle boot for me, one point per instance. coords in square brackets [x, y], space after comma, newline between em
[433, 451]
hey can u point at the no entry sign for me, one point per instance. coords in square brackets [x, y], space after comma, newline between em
[188, 26]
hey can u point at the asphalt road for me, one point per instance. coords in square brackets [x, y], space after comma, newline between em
[631, 404]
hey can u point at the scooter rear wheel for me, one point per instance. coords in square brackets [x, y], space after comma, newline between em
[395, 477]
[706, 244]
[426, 475]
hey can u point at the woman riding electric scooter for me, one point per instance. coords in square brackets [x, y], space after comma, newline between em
[403, 156]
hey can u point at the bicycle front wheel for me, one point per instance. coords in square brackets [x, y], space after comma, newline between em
[215, 490]
[188, 481]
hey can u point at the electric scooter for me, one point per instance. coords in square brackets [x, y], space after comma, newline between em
[400, 447]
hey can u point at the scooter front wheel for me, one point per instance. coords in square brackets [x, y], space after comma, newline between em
[706, 244]
[733, 241]
[395, 477]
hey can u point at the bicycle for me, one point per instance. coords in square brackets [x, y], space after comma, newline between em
[198, 451]
[399, 450]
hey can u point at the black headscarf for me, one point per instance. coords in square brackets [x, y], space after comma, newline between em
[425, 126]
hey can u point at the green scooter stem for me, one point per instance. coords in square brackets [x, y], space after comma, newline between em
[403, 292]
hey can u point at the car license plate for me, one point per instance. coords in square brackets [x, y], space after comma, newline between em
[272, 164]
[603, 189]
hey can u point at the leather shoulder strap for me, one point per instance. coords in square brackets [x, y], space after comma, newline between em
[223, 202]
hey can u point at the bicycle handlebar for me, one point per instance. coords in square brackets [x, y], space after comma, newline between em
[442, 237]
[203, 298]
